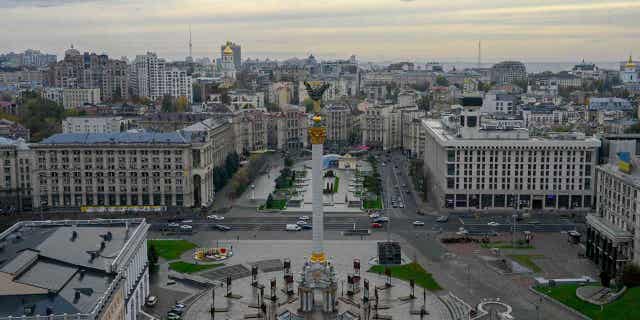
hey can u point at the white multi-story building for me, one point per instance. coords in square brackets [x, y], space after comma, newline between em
[74, 269]
[150, 78]
[473, 167]
[240, 99]
[498, 102]
[75, 98]
[94, 125]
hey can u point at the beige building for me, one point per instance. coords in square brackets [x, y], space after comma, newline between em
[390, 127]
[73, 98]
[338, 121]
[613, 237]
[131, 168]
[281, 94]
[250, 130]
[16, 164]
[287, 130]
[94, 124]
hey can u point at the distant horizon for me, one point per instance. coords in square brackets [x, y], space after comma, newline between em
[381, 30]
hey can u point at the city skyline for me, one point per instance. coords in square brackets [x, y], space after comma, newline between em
[387, 30]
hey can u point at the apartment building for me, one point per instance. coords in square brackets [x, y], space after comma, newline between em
[94, 124]
[73, 98]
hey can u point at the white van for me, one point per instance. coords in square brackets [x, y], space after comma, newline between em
[293, 227]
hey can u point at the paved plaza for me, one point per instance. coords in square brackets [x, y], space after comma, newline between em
[267, 253]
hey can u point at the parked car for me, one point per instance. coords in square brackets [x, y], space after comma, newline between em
[376, 225]
[173, 316]
[301, 222]
[179, 306]
[221, 227]
[418, 223]
[215, 217]
[442, 219]
[151, 301]
[493, 224]
[304, 218]
[381, 219]
[186, 227]
[306, 227]
[292, 227]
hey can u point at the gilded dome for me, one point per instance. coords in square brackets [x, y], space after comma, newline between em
[630, 63]
[227, 50]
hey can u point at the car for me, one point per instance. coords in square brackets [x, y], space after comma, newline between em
[376, 225]
[306, 227]
[173, 316]
[186, 227]
[292, 227]
[215, 217]
[301, 222]
[401, 205]
[221, 227]
[374, 215]
[173, 225]
[381, 219]
[179, 306]
[304, 218]
[493, 224]
[151, 301]
[176, 311]
[418, 223]
[462, 232]
[187, 221]
[442, 219]
[171, 282]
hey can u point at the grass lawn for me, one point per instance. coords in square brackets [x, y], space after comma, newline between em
[527, 260]
[372, 204]
[170, 249]
[505, 245]
[626, 307]
[185, 267]
[410, 271]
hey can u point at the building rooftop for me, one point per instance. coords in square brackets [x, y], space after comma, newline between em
[61, 266]
[115, 138]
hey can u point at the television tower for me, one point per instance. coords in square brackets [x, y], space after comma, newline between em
[479, 54]
[190, 44]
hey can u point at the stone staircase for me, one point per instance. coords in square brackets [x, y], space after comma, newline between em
[458, 309]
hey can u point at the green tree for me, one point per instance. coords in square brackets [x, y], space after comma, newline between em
[631, 275]
[220, 178]
[41, 116]
[152, 256]
[288, 162]
[442, 81]
[168, 104]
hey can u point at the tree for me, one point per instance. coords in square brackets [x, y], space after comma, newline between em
[181, 104]
[631, 275]
[220, 178]
[442, 81]
[605, 279]
[152, 256]
[167, 104]
[41, 116]
[288, 162]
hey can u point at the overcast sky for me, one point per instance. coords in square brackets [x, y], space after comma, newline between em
[377, 30]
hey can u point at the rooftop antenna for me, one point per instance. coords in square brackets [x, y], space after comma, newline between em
[190, 43]
[479, 54]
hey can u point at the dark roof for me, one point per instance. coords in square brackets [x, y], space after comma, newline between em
[115, 138]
